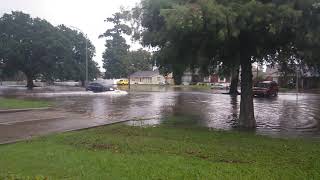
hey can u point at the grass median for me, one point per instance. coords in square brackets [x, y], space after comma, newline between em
[164, 152]
[12, 103]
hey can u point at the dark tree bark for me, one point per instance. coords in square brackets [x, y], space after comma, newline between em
[83, 83]
[234, 109]
[177, 77]
[246, 119]
[234, 81]
[30, 84]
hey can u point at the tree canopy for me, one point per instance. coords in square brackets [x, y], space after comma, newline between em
[72, 65]
[200, 33]
[37, 48]
[118, 60]
[27, 44]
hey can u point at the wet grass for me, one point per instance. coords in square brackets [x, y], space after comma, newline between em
[164, 152]
[11, 103]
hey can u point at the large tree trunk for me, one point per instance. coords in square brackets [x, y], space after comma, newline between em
[234, 81]
[177, 77]
[246, 119]
[30, 84]
[83, 83]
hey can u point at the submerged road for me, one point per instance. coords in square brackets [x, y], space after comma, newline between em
[288, 115]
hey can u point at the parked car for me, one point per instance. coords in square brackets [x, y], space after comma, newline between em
[123, 82]
[266, 89]
[98, 87]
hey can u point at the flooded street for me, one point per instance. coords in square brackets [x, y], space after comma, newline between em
[288, 115]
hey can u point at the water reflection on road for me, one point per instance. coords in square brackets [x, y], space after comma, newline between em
[286, 115]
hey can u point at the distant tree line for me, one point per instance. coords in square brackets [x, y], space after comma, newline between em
[43, 51]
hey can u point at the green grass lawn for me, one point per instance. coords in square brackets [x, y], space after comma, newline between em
[10, 103]
[165, 152]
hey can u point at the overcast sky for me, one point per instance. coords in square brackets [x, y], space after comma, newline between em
[87, 15]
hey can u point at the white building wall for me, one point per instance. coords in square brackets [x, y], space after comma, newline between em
[158, 80]
[155, 80]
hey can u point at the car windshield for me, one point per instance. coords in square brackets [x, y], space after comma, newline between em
[262, 85]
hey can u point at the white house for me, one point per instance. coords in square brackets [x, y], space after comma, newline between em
[147, 78]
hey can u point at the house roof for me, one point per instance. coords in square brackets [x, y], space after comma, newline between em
[145, 74]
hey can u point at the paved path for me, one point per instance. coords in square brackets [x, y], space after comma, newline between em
[24, 125]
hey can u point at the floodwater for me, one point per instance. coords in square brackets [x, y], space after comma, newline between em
[289, 115]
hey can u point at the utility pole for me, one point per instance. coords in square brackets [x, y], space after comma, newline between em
[130, 78]
[0, 77]
[297, 81]
[257, 72]
[129, 83]
[86, 82]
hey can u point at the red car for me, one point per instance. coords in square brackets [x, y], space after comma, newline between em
[266, 89]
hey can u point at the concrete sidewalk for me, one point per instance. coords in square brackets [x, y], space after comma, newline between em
[25, 125]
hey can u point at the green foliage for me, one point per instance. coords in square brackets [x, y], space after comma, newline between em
[166, 152]
[72, 65]
[205, 29]
[27, 44]
[116, 47]
[307, 44]
[118, 61]
[140, 60]
[38, 49]
[203, 33]
[184, 33]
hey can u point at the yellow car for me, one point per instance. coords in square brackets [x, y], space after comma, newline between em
[123, 82]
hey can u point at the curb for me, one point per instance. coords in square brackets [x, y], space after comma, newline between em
[32, 120]
[68, 130]
[22, 110]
